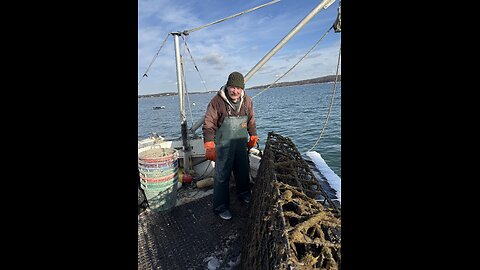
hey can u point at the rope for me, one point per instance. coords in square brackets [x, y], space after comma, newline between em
[199, 74]
[203, 174]
[195, 65]
[331, 101]
[153, 60]
[186, 32]
[298, 62]
[185, 81]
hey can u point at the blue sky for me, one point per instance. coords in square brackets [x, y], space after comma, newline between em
[236, 44]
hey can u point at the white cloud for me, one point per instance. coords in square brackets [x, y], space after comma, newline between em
[236, 44]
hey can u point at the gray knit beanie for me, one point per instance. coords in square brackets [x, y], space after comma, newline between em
[236, 79]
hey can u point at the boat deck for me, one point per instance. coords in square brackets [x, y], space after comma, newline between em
[191, 236]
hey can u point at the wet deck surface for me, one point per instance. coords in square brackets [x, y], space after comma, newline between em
[191, 236]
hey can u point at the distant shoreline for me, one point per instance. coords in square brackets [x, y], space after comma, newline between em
[324, 79]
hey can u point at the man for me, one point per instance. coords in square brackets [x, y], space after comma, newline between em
[229, 121]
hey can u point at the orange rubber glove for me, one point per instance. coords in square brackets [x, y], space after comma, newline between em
[210, 153]
[253, 141]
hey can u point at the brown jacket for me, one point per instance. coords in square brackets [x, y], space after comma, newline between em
[217, 110]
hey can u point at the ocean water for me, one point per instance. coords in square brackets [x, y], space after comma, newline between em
[298, 112]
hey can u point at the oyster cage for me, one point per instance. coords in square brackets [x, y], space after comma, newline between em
[294, 224]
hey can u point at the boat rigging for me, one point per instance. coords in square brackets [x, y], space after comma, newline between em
[186, 149]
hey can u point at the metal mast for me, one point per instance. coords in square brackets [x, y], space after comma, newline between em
[186, 145]
[324, 4]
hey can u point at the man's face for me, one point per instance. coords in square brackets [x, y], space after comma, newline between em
[234, 92]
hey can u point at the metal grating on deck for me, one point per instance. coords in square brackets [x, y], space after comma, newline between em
[190, 235]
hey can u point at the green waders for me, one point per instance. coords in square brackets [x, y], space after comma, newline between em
[231, 147]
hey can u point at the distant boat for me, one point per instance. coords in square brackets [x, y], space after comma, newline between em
[159, 107]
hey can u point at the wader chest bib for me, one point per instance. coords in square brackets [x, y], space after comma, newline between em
[230, 144]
